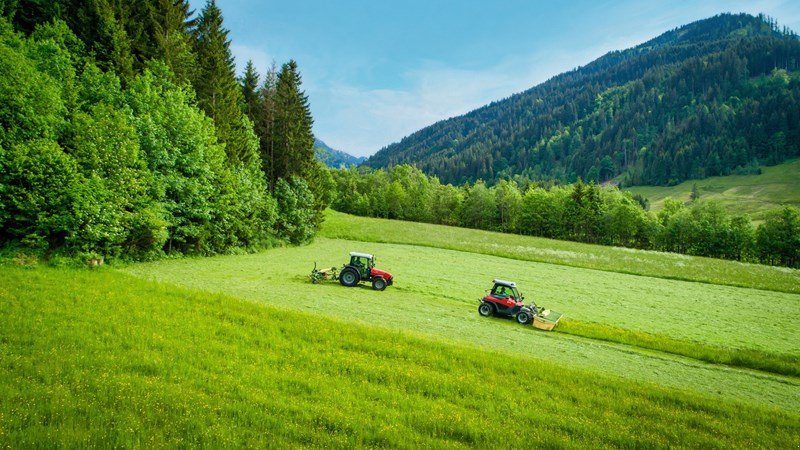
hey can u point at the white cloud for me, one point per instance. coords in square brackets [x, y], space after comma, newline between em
[361, 121]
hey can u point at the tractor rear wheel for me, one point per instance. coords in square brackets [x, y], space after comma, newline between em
[378, 284]
[523, 317]
[486, 309]
[349, 277]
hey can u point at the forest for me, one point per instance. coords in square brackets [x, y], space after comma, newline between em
[126, 134]
[714, 97]
[582, 212]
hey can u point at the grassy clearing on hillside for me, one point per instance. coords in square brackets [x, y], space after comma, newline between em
[437, 291]
[740, 194]
[527, 248]
[102, 359]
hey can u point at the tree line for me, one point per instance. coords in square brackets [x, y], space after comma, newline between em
[714, 97]
[582, 212]
[125, 133]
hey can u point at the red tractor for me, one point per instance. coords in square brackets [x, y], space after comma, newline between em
[504, 299]
[362, 268]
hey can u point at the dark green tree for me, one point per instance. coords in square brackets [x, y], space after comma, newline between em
[218, 92]
[293, 147]
[251, 92]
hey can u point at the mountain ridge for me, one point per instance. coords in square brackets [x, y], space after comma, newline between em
[332, 157]
[512, 136]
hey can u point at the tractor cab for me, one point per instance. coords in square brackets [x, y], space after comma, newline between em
[503, 290]
[364, 262]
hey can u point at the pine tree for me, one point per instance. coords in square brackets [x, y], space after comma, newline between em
[218, 92]
[265, 123]
[250, 91]
[173, 35]
[293, 152]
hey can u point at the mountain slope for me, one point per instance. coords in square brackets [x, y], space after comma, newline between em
[696, 101]
[335, 158]
[755, 194]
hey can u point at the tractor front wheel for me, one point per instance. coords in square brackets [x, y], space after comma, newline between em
[523, 317]
[378, 284]
[485, 309]
[349, 277]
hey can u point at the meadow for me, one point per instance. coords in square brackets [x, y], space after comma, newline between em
[574, 254]
[242, 349]
[755, 195]
[99, 358]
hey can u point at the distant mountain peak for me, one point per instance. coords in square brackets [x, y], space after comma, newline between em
[335, 158]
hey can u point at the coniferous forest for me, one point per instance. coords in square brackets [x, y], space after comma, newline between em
[125, 133]
[702, 100]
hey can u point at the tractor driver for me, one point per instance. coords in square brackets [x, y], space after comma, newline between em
[502, 293]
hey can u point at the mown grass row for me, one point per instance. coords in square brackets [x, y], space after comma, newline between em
[528, 248]
[781, 364]
[103, 359]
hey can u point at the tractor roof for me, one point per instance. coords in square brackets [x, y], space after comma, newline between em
[362, 255]
[510, 284]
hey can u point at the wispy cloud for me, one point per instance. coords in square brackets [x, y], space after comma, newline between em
[366, 120]
[243, 53]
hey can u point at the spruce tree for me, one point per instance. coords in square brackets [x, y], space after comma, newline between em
[173, 36]
[218, 92]
[250, 91]
[293, 152]
[265, 123]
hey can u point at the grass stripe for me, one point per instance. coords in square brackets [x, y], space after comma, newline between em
[781, 364]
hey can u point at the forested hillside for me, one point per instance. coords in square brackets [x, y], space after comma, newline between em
[701, 100]
[124, 132]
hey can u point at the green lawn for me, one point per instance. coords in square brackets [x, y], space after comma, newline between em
[740, 194]
[527, 248]
[102, 359]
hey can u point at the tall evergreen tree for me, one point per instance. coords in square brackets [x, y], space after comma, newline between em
[265, 123]
[293, 152]
[250, 91]
[218, 92]
[173, 36]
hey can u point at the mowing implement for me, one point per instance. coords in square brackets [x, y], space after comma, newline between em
[505, 300]
[360, 268]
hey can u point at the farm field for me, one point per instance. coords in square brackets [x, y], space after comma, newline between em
[575, 254]
[436, 295]
[740, 194]
[241, 349]
[129, 363]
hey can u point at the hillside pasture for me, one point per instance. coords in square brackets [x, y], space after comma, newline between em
[436, 295]
[101, 359]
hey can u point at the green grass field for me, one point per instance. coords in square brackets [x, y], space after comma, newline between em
[574, 254]
[244, 350]
[740, 194]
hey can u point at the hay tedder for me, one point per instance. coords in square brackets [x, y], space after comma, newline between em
[360, 268]
[505, 300]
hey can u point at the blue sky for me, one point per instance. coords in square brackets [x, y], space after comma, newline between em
[376, 71]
